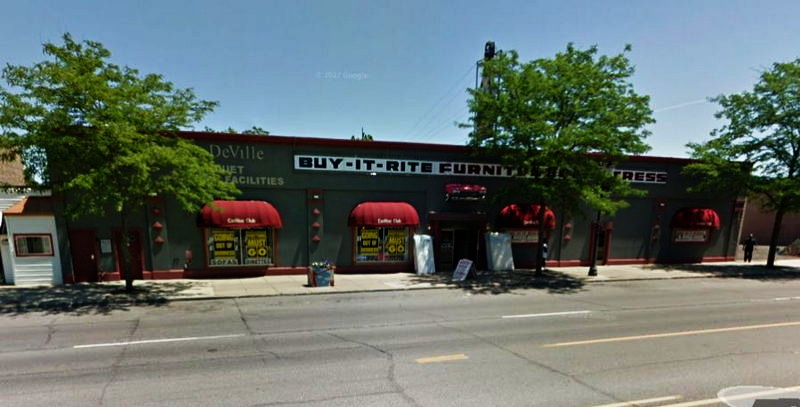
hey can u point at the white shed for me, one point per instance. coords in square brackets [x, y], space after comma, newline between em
[29, 244]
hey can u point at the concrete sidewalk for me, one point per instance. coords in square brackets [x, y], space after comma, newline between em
[103, 297]
[297, 284]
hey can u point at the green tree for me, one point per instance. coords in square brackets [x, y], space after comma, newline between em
[758, 150]
[252, 130]
[566, 120]
[364, 136]
[103, 137]
[257, 131]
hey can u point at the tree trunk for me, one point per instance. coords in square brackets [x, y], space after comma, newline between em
[127, 274]
[773, 240]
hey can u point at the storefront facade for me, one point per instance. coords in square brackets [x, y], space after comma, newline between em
[359, 203]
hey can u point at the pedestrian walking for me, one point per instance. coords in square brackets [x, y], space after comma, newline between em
[749, 245]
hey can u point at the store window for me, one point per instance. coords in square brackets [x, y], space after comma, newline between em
[33, 245]
[240, 247]
[382, 231]
[377, 244]
[240, 233]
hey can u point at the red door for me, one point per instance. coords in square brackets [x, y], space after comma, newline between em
[84, 255]
[135, 249]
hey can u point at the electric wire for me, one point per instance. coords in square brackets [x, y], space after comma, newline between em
[437, 108]
[449, 122]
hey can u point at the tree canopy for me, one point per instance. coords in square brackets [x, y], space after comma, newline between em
[565, 119]
[100, 134]
[254, 130]
[757, 151]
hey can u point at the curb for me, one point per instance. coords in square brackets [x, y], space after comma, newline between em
[449, 286]
[466, 286]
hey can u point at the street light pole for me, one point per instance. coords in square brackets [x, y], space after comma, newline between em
[593, 248]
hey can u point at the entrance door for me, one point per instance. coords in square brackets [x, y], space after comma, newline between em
[457, 243]
[603, 249]
[462, 247]
[601, 245]
[446, 249]
[135, 249]
[84, 255]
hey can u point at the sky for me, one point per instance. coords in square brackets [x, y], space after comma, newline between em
[400, 68]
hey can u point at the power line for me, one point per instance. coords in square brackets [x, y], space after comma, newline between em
[450, 121]
[435, 109]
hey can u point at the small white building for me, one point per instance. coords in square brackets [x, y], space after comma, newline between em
[29, 243]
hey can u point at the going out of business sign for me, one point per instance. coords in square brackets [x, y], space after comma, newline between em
[448, 168]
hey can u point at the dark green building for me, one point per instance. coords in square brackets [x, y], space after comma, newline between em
[359, 203]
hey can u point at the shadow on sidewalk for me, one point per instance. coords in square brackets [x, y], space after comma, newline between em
[83, 299]
[738, 270]
[503, 282]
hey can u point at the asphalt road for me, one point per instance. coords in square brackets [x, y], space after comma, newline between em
[676, 343]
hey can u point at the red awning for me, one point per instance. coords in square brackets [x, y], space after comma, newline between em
[384, 214]
[695, 218]
[525, 216]
[240, 214]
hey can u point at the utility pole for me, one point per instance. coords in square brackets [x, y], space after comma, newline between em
[593, 247]
[488, 53]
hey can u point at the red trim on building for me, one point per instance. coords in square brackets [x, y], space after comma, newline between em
[244, 272]
[635, 261]
[240, 214]
[376, 268]
[383, 214]
[319, 142]
[371, 145]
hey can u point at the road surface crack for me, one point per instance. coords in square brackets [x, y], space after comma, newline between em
[663, 363]
[533, 362]
[117, 362]
[242, 318]
[392, 366]
[327, 399]
[50, 331]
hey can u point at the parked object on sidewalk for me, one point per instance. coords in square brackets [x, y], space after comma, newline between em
[498, 251]
[321, 274]
[423, 255]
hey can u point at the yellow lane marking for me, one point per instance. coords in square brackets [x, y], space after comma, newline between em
[670, 334]
[445, 358]
[640, 402]
[717, 400]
